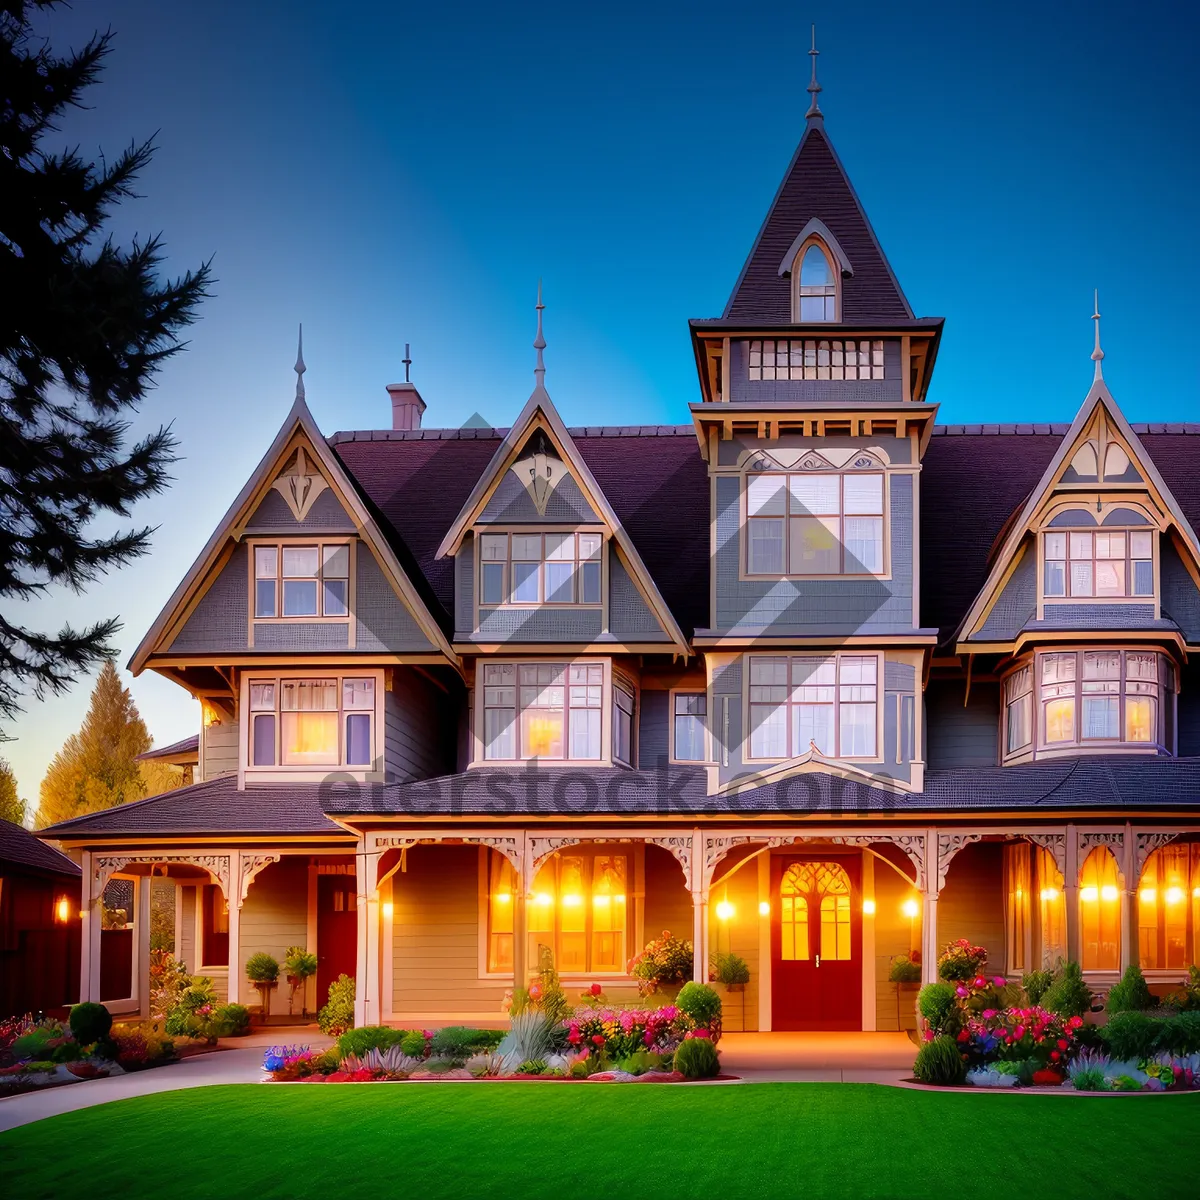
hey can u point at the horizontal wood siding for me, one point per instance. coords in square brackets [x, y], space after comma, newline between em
[739, 935]
[972, 902]
[436, 936]
[219, 755]
[892, 932]
[962, 735]
[274, 917]
[418, 729]
[668, 903]
[187, 927]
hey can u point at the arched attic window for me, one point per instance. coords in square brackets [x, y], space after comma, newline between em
[816, 284]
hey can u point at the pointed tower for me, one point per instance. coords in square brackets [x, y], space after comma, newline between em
[817, 320]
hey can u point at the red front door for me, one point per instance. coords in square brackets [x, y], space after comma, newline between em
[337, 930]
[816, 943]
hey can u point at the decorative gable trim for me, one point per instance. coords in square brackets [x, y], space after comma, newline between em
[813, 761]
[1098, 431]
[818, 228]
[539, 414]
[314, 469]
[539, 472]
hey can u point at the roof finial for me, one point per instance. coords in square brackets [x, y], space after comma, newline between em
[1097, 354]
[407, 361]
[814, 109]
[300, 368]
[539, 343]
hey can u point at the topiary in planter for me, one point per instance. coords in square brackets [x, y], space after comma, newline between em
[701, 1003]
[696, 1058]
[90, 1022]
[939, 1062]
[1068, 995]
[1129, 993]
[263, 971]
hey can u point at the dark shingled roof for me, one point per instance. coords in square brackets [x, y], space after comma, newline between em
[1108, 784]
[215, 806]
[20, 848]
[187, 745]
[816, 185]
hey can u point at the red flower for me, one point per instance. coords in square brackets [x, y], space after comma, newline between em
[963, 1035]
[1063, 1043]
[598, 1039]
[594, 990]
[1054, 1054]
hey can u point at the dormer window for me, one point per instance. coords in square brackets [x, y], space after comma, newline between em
[1098, 563]
[817, 285]
[301, 581]
[540, 568]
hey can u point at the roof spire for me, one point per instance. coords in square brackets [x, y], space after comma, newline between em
[539, 344]
[300, 367]
[814, 109]
[1097, 354]
[407, 361]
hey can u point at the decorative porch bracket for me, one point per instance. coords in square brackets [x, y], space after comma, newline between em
[1113, 839]
[104, 867]
[1144, 846]
[251, 864]
[678, 845]
[508, 845]
[948, 845]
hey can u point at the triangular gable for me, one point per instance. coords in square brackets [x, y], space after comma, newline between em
[300, 471]
[817, 188]
[1082, 458]
[813, 762]
[539, 414]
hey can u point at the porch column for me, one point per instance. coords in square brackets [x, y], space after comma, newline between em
[89, 934]
[1129, 908]
[141, 955]
[234, 908]
[699, 891]
[366, 991]
[524, 881]
[929, 900]
[1071, 894]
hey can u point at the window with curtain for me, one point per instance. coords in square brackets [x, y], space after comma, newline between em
[1168, 901]
[1100, 912]
[807, 699]
[542, 710]
[1052, 909]
[327, 722]
[1018, 710]
[579, 907]
[817, 523]
[1017, 872]
[622, 723]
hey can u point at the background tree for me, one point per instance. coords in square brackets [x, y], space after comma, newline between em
[84, 327]
[12, 808]
[97, 767]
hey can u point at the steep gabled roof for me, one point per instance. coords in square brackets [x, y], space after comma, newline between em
[539, 413]
[298, 428]
[22, 849]
[1098, 399]
[817, 188]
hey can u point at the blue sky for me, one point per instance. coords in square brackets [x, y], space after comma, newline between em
[406, 173]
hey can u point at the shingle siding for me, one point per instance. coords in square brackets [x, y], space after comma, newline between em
[419, 723]
[1180, 598]
[511, 503]
[326, 515]
[1017, 603]
[382, 620]
[629, 616]
[221, 617]
[654, 730]
[959, 735]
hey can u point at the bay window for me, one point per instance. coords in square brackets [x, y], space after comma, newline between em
[311, 722]
[1100, 563]
[540, 568]
[578, 907]
[803, 700]
[818, 523]
[688, 713]
[301, 581]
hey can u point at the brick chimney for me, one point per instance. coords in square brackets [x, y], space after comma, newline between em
[407, 405]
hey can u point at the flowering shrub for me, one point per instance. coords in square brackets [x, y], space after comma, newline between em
[616, 1033]
[961, 961]
[197, 1015]
[289, 1062]
[11, 1029]
[1020, 1033]
[665, 960]
[146, 1045]
[169, 979]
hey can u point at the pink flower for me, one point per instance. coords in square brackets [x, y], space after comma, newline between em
[648, 1037]
[1054, 1054]
[1075, 1022]
[574, 1037]
[988, 1013]
[1019, 1032]
[999, 981]
[1063, 1044]
[703, 1033]
[535, 991]
[427, 1034]
[963, 1035]
[960, 991]
[979, 981]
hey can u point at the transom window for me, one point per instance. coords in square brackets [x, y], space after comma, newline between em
[1104, 696]
[542, 710]
[808, 700]
[579, 908]
[818, 523]
[1098, 562]
[312, 722]
[818, 286]
[540, 568]
[815, 358]
[688, 716]
[302, 581]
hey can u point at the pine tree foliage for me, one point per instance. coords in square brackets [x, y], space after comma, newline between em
[84, 327]
[12, 807]
[97, 767]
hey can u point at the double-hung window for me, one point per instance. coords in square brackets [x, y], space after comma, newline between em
[1098, 563]
[539, 568]
[809, 700]
[542, 710]
[1104, 696]
[302, 581]
[622, 723]
[311, 722]
[1018, 710]
[688, 713]
[818, 523]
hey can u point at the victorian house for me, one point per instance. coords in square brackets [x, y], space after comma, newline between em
[809, 678]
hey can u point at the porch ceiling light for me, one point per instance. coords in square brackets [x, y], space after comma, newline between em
[502, 897]
[1109, 893]
[869, 907]
[600, 901]
[1089, 895]
[910, 908]
[725, 910]
[764, 908]
[1174, 895]
[388, 909]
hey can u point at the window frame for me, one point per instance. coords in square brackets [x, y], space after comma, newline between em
[607, 756]
[810, 351]
[280, 772]
[787, 517]
[797, 286]
[206, 901]
[788, 704]
[509, 532]
[1128, 560]
[705, 731]
[320, 617]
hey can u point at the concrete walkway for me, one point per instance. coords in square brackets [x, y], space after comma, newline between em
[754, 1057]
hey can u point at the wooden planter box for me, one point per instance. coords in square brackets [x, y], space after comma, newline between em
[907, 1016]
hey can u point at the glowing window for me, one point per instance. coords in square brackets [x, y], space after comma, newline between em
[544, 710]
[1100, 912]
[311, 722]
[1052, 909]
[1017, 869]
[1169, 887]
[815, 893]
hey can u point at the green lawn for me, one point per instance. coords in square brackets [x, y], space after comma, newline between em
[523, 1141]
